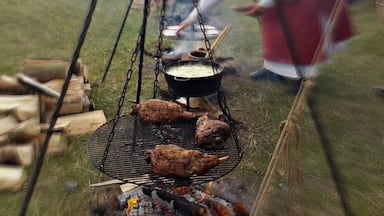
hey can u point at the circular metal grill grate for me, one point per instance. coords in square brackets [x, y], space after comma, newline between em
[127, 153]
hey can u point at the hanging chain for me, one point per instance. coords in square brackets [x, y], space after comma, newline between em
[159, 50]
[224, 107]
[220, 94]
[202, 28]
[122, 96]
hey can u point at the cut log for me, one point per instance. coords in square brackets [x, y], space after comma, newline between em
[23, 107]
[46, 72]
[71, 105]
[61, 126]
[83, 123]
[26, 131]
[28, 111]
[75, 100]
[45, 69]
[34, 85]
[7, 124]
[46, 61]
[17, 154]
[12, 178]
[10, 86]
[84, 72]
[4, 139]
[7, 101]
[57, 143]
[76, 84]
[59, 139]
[86, 104]
[87, 89]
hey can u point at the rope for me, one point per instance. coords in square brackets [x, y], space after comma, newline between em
[302, 98]
[44, 147]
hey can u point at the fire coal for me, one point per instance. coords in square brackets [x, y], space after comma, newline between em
[180, 201]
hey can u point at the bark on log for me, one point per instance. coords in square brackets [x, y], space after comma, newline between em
[17, 154]
[26, 112]
[7, 124]
[83, 123]
[57, 143]
[59, 139]
[4, 139]
[75, 101]
[26, 131]
[45, 69]
[9, 102]
[12, 178]
[76, 84]
[23, 107]
[71, 105]
[10, 86]
[59, 126]
[84, 73]
[87, 89]
[46, 60]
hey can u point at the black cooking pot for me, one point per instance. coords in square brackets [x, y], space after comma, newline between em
[183, 85]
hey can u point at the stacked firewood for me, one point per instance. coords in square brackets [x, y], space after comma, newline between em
[27, 104]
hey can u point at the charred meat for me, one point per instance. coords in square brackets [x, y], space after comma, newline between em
[156, 111]
[211, 133]
[174, 161]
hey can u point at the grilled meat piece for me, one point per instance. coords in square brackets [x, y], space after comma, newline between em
[210, 133]
[174, 161]
[156, 111]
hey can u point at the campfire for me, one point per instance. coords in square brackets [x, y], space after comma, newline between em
[183, 201]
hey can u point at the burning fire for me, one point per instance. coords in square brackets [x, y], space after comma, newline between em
[183, 200]
[131, 204]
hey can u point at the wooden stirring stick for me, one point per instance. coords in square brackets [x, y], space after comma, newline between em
[219, 38]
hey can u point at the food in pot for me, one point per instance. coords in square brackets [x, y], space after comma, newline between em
[211, 133]
[174, 161]
[191, 71]
[157, 111]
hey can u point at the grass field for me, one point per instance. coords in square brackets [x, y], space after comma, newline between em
[350, 112]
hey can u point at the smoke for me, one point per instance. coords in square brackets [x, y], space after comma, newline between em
[183, 46]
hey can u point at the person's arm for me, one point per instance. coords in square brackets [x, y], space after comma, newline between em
[204, 6]
[254, 9]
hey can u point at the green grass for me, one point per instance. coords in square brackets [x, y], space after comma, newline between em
[352, 115]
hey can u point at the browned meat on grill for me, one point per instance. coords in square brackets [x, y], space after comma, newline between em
[172, 160]
[157, 111]
[210, 133]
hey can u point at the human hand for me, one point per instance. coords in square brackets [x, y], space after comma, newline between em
[182, 26]
[252, 9]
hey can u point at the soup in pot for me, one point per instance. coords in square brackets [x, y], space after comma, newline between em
[191, 71]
